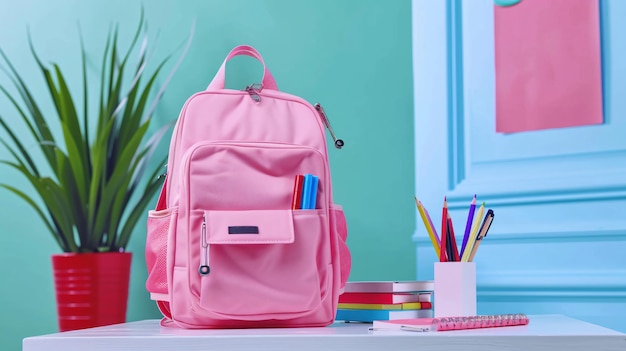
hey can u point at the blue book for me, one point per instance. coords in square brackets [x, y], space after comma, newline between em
[380, 315]
[306, 191]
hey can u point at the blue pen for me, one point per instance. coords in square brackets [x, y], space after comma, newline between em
[306, 191]
[313, 192]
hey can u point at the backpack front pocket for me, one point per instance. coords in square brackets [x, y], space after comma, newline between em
[251, 256]
[248, 176]
[264, 262]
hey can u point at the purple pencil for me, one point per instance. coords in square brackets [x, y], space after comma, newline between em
[468, 226]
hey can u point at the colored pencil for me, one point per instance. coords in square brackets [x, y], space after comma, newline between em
[429, 226]
[430, 221]
[472, 238]
[444, 224]
[468, 225]
[449, 251]
[453, 246]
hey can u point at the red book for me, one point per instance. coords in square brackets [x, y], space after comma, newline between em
[296, 199]
[379, 298]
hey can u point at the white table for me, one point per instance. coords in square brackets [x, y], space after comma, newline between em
[545, 332]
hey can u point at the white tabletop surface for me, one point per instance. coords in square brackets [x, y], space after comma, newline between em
[545, 332]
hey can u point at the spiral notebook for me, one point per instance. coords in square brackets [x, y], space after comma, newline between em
[452, 323]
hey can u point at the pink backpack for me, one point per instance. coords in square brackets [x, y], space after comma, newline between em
[225, 247]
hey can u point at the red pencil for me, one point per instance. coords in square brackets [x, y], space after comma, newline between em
[444, 221]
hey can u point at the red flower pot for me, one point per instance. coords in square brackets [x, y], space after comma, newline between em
[91, 288]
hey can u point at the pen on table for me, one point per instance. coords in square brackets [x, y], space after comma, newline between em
[472, 238]
[482, 234]
[468, 225]
[429, 226]
[444, 223]
[454, 248]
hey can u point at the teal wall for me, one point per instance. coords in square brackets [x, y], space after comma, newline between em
[354, 56]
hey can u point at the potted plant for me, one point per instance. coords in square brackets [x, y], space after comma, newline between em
[92, 189]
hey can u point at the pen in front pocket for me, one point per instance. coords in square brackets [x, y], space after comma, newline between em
[296, 200]
[313, 192]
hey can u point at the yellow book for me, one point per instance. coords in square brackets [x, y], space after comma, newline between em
[370, 306]
[380, 306]
[412, 306]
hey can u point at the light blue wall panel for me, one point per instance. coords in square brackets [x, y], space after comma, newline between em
[559, 233]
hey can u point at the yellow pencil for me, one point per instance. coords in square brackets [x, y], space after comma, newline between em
[472, 238]
[427, 224]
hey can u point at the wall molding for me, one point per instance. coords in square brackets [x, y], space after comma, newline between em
[537, 294]
[455, 92]
[548, 285]
[523, 198]
[535, 177]
[540, 237]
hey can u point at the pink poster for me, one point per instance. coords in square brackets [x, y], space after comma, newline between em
[548, 65]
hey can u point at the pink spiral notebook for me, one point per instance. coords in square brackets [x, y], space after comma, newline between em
[452, 323]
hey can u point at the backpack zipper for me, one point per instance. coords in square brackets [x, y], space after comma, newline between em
[254, 90]
[338, 142]
[204, 252]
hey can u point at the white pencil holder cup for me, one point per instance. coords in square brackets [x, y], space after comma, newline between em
[455, 289]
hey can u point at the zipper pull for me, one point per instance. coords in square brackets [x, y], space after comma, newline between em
[338, 142]
[204, 252]
[254, 90]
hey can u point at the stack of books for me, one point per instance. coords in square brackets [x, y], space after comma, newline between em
[368, 301]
